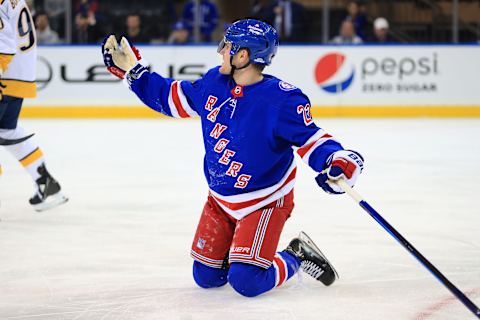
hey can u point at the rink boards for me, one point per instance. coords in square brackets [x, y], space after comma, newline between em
[341, 81]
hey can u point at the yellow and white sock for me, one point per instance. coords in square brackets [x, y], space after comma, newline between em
[27, 152]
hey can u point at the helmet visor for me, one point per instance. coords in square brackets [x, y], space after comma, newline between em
[222, 44]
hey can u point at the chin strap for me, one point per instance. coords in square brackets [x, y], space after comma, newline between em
[232, 71]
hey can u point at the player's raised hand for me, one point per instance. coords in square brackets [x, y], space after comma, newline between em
[119, 58]
[343, 164]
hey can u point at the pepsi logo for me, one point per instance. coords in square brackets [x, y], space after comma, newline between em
[333, 74]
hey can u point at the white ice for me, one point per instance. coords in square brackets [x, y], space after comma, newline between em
[120, 248]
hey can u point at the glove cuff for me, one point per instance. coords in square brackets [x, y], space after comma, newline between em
[135, 73]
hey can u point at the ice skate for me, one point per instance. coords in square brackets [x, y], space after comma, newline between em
[48, 194]
[313, 261]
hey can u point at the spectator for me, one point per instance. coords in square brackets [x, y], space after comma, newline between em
[56, 15]
[134, 31]
[259, 9]
[86, 30]
[208, 18]
[162, 19]
[288, 17]
[86, 7]
[381, 33]
[347, 34]
[31, 7]
[358, 17]
[45, 35]
[180, 34]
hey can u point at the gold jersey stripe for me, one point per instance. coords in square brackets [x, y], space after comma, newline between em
[19, 88]
[142, 112]
[5, 60]
[1, 2]
[33, 156]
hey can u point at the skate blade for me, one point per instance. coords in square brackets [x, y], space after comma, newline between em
[303, 236]
[51, 202]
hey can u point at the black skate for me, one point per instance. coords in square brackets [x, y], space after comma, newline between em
[313, 262]
[48, 192]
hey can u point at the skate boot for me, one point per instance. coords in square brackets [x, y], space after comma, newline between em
[48, 192]
[313, 262]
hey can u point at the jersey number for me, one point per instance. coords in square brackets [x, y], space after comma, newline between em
[25, 29]
[307, 114]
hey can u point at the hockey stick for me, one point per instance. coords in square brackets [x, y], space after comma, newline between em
[394, 233]
[9, 142]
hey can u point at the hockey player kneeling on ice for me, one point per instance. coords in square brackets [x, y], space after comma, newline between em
[18, 58]
[251, 123]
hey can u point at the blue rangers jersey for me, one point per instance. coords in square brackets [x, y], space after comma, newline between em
[250, 133]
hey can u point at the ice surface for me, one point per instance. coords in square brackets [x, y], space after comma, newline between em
[120, 248]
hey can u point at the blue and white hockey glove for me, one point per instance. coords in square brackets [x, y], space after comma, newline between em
[343, 164]
[119, 59]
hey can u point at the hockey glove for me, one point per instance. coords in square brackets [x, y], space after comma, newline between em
[343, 164]
[119, 59]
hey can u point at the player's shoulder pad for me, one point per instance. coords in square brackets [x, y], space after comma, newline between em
[280, 87]
[287, 91]
[289, 95]
[212, 73]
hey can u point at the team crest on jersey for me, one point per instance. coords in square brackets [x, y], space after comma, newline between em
[285, 86]
[201, 243]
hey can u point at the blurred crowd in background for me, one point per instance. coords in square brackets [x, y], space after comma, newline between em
[297, 21]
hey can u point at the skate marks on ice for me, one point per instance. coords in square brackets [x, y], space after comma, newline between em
[162, 303]
[119, 248]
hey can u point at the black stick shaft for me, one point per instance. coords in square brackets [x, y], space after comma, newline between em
[430, 267]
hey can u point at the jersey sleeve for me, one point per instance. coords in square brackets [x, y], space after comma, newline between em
[165, 95]
[296, 127]
[7, 37]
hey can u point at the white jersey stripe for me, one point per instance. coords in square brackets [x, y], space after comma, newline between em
[171, 104]
[258, 193]
[239, 214]
[317, 135]
[306, 157]
[184, 101]
[317, 139]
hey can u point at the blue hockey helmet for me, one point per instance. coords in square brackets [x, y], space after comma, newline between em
[260, 38]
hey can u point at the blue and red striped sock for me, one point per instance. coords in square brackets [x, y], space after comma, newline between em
[251, 281]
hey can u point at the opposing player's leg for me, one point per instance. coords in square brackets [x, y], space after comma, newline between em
[210, 246]
[28, 153]
[256, 267]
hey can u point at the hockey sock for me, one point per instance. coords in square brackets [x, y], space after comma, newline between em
[251, 281]
[209, 277]
[27, 153]
[286, 265]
